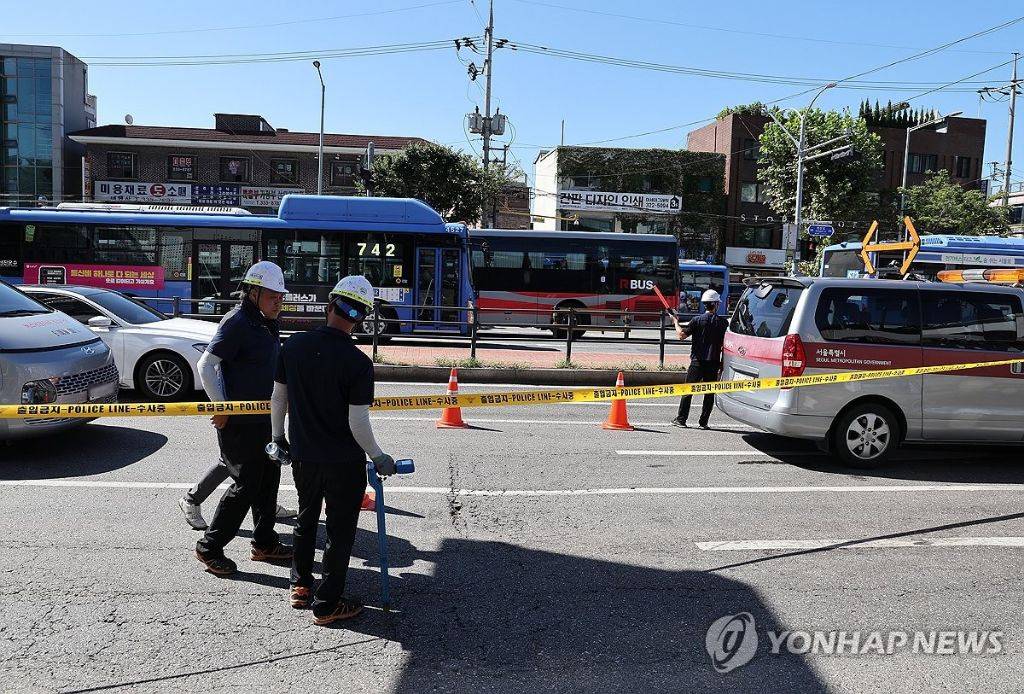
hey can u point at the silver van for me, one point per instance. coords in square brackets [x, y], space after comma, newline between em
[47, 357]
[786, 326]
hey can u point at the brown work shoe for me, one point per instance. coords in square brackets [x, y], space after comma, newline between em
[301, 597]
[218, 565]
[346, 609]
[276, 553]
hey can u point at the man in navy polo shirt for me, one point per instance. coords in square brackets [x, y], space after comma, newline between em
[325, 385]
[239, 365]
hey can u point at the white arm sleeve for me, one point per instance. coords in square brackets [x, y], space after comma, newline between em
[359, 423]
[211, 377]
[278, 409]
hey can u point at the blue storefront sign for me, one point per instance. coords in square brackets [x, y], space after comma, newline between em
[217, 196]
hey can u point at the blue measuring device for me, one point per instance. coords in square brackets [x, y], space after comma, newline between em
[402, 467]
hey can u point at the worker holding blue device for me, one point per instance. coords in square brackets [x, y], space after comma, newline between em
[325, 385]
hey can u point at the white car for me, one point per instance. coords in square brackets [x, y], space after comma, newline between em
[155, 354]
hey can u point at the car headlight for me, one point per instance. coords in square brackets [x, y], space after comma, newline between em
[39, 392]
[200, 346]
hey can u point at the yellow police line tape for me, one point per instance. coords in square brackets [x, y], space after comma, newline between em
[498, 399]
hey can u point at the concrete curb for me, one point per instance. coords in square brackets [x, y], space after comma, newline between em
[541, 377]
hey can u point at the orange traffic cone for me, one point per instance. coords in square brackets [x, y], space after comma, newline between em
[451, 417]
[369, 501]
[617, 418]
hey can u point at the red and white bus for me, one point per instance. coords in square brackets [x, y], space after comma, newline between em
[540, 272]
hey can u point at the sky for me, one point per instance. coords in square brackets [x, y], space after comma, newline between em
[428, 93]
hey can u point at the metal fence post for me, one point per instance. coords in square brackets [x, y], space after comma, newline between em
[661, 339]
[376, 328]
[568, 334]
[177, 306]
[471, 314]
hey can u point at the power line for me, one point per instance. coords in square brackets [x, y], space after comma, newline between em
[247, 26]
[250, 58]
[785, 37]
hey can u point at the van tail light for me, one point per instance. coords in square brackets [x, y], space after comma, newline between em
[793, 360]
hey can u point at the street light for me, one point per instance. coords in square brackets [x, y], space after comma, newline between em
[320, 149]
[906, 149]
[800, 155]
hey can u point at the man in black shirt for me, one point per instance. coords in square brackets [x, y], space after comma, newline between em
[239, 365]
[708, 333]
[325, 385]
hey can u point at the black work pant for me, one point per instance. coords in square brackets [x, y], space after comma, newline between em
[255, 479]
[339, 486]
[699, 371]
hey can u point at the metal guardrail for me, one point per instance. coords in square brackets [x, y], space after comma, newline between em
[569, 329]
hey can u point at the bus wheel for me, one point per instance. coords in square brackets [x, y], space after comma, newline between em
[559, 317]
[364, 332]
[866, 435]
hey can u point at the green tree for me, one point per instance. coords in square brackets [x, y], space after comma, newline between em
[451, 182]
[942, 206]
[841, 189]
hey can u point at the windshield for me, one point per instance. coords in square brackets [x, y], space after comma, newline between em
[14, 303]
[765, 310]
[128, 310]
[840, 263]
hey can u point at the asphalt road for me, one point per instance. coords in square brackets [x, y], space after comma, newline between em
[534, 553]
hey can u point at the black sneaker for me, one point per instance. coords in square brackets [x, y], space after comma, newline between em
[704, 425]
[679, 423]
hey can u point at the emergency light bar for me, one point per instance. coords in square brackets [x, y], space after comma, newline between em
[995, 276]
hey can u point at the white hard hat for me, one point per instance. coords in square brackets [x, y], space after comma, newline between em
[710, 296]
[267, 275]
[355, 288]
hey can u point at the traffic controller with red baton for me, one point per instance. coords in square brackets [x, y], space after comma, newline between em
[402, 467]
[664, 302]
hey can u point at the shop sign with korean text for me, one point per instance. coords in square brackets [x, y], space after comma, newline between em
[596, 201]
[131, 191]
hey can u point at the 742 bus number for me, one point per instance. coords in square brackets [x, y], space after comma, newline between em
[367, 249]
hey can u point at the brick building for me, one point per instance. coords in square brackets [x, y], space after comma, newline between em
[241, 162]
[759, 238]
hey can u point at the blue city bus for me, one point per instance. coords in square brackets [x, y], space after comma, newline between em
[402, 246]
[938, 252]
[696, 278]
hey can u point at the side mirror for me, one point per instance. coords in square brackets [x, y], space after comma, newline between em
[100, 322]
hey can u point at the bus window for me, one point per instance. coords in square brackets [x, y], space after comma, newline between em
[636, 268]
[129, 245]
[310, 258]
[841, 262]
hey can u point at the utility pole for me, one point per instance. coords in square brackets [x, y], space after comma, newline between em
[320, 149]
[1009, 133]
[489, 66]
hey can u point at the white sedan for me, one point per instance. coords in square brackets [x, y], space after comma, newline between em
[155, 354]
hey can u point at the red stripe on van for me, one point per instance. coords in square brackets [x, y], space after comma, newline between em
[852, 356]
[935, 357]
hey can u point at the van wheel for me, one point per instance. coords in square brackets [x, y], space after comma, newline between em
[865, 436]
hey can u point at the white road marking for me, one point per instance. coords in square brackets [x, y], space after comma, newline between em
[888, 543]
[585, 422]
[702, 454]
[599, 491]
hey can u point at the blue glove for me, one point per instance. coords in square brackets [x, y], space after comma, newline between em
[384, 464]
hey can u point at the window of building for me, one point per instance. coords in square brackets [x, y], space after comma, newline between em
[343, 173]
[705, 184]
[992, 322]
[590, 224]
[581, 182]
[754, 237]
[235, 169]
[870, 316]
[122, 165]
[962, 167]
[921, 163]
[284, 171]
[181, 167]
[751, 149]
[752, 192]
[125, 245]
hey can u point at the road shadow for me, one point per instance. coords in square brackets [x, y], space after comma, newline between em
[978, 464]
[91, 449]
[498, 617]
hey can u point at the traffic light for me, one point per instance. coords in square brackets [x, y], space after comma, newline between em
[367, 176]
